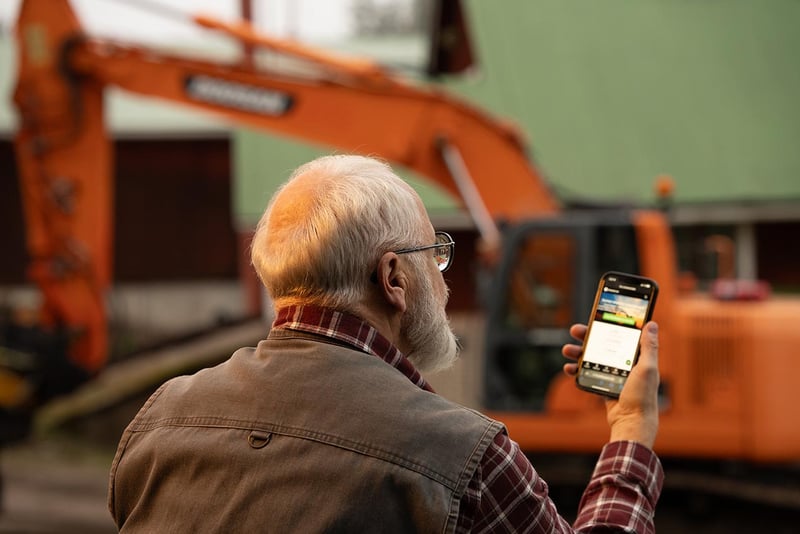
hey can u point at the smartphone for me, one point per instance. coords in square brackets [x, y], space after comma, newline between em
[622, 306]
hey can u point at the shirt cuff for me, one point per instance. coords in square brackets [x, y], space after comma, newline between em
[635, 463]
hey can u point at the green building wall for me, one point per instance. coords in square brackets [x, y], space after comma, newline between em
[612, 94]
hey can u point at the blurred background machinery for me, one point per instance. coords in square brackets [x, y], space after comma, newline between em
[714, 231]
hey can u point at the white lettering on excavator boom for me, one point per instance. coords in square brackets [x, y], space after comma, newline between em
[238, 95]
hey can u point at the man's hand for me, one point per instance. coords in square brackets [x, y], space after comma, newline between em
[634, 416]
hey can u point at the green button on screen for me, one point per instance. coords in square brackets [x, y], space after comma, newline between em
[610, 317]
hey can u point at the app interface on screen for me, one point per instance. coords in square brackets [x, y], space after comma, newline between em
[618, 323]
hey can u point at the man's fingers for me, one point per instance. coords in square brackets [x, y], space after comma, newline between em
[572, 352]
[578, 331]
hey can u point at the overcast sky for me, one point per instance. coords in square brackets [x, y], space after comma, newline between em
[309, 20]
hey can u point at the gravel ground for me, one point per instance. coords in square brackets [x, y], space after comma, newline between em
[55, 485]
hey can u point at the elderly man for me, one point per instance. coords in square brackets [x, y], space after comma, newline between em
[328, 425]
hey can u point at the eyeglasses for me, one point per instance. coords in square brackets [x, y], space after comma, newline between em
[443, 250]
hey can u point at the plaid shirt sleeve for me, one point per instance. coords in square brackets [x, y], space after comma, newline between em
[507, 495]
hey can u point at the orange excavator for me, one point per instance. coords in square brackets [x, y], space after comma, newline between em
[728, 366]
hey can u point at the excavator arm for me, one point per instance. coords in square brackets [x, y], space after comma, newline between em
[64, 161]
[65, 157]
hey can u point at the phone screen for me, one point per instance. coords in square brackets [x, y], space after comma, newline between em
[623, 304]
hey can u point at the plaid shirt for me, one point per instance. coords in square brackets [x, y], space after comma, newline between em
[506, 494]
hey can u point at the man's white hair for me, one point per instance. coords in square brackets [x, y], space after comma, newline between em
[324, 251]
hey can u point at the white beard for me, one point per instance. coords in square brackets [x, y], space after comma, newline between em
[433, 345]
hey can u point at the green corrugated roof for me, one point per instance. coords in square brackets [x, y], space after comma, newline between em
[614, 93]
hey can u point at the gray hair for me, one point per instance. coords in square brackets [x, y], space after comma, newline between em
[325, 251]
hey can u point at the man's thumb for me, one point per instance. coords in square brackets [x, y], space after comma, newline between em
[650, 341]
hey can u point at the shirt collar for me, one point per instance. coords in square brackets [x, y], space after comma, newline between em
[348, 329]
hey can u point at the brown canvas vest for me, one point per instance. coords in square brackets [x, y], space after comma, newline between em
[297, 435]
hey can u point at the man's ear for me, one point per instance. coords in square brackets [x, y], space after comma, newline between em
[392, 281]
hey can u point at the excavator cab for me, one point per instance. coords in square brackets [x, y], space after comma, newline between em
[545, 282]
